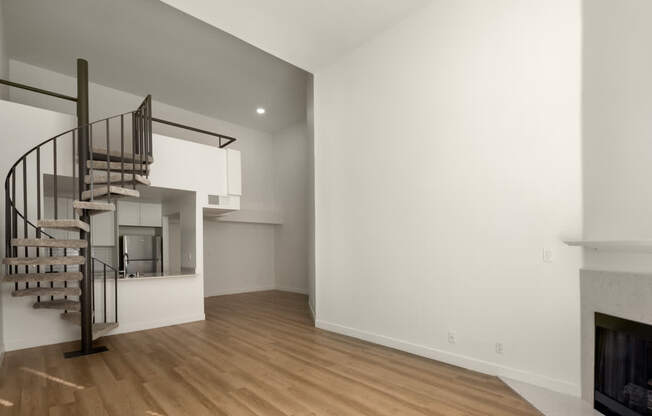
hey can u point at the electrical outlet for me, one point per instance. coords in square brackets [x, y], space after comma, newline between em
[547, 255]
[499, 348]
[452, 338]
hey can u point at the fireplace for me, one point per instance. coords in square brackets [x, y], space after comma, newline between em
[623, 367]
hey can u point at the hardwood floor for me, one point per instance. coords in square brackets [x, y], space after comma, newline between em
[256, 354]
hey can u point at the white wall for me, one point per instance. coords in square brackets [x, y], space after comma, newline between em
[617, 127]
[19, 133]
[239, 257]
[448, 157]
[291, 158]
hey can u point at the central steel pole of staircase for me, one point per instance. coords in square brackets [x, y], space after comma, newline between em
[82, 146]
[86, 298]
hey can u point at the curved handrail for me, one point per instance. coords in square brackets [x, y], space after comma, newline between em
[146, 114]
[12, 170]
[29, 152]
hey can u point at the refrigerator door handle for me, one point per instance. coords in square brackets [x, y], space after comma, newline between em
[125, 261]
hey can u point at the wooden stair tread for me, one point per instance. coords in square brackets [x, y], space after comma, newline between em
[117, 155]
[116, 191]
[43, 277]
[66, 224]
[117, 166]
[48, 242]
[99, 329]
[44, 261]
[93, 207]
[100, 177]
[47, 291]
[71, 305]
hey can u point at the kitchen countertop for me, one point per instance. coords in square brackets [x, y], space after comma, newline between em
[147, 276]
[152, 276]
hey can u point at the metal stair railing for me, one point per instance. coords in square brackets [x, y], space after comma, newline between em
[48, 173]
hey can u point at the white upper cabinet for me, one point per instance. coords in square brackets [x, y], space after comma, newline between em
[128, 213]
[139, 214]
[150, 215]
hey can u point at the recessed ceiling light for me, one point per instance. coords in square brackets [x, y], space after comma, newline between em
[260, 110]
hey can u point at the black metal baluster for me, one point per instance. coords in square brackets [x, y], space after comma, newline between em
[74, 176]
[25, 233]
[93, 287]
[56, 198]
[65, 269]
[8, 227]
[141, 140]
[51, 270]
[56, 190]
[133, 148]
[74, 171]
[14, 225]
[149, 121]
[146, 136]
[104, 292]
[91, 161]
[115, 297]
[38, 210]
[122, 149]
[108, 164]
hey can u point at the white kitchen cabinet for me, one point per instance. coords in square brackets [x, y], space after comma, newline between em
[150, 215]
[128, 213]
[103, 229]
[139, 214]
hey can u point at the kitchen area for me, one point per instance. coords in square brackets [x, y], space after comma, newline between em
[151, 239]
[148, 237]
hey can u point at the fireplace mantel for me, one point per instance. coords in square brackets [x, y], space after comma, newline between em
[625, 246]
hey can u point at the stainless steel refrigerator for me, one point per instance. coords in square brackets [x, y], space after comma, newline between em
[140, 254]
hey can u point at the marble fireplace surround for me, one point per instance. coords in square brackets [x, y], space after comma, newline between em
[623, 294]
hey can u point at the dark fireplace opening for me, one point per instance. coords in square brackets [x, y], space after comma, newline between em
[623, 367]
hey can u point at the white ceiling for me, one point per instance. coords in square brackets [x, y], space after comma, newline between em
[146, 46]
[307, 33]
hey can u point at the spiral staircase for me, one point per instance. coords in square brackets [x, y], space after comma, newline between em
[48, 247]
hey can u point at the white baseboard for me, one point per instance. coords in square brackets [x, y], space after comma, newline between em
[302, 291]
[143, 325]
[121, 329]
[253, 289]
[223, 292]
[469, 363]
[21, 344]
